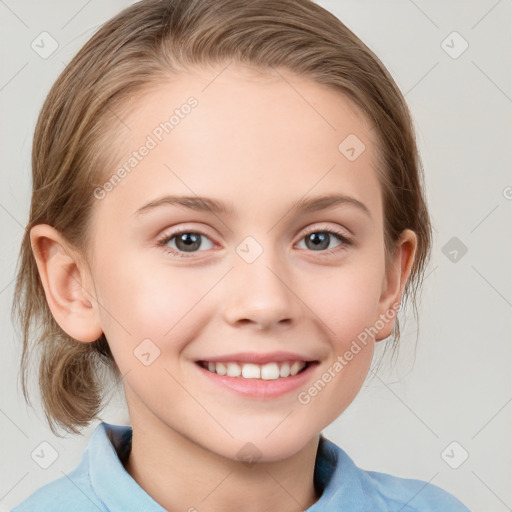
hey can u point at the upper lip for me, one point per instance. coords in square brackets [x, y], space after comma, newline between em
[259, 358]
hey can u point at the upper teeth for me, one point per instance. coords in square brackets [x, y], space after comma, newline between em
[269, 371]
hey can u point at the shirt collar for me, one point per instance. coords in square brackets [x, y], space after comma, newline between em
[113, 485]
[335, 477]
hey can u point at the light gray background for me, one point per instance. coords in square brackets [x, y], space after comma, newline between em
[456, 386]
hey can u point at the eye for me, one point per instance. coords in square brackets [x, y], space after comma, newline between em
[319, 240]
[186, 242]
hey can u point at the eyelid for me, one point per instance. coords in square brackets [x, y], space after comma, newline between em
[345, 239]
[184, 228]
[169, 234]
[311, 229]
[344, 232]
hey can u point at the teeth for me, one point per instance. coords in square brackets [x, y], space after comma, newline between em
[284, 370]
[233, 370]
[269, 371]
[295, 368]
[250, 371]
[220, 369]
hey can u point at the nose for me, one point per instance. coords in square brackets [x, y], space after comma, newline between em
[260, 294]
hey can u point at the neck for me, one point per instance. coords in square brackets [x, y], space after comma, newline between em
[181, 475]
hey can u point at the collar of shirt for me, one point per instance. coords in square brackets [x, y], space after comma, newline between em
[335, 475]
[343, 487]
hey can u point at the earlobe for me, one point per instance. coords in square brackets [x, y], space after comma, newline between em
[397, 274]
[65, 282]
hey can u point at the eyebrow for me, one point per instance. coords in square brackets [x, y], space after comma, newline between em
[205, 204]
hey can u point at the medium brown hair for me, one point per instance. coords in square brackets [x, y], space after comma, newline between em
[140, 47]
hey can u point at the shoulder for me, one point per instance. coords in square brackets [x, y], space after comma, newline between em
[380, 491]
[69, 492]
[99, 482]
[411, 494]
[74, 490]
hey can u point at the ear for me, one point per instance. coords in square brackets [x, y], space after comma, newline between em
[397, 274]
[66, 284]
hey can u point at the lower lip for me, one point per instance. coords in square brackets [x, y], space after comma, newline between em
[259, 388]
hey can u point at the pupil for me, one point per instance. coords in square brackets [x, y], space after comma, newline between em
[319, 240]
[190, 241]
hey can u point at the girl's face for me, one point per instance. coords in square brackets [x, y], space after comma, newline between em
[255, 270]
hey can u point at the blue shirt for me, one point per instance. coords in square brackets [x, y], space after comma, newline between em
[100, 483]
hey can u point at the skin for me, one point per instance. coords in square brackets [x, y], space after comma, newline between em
[259, 142]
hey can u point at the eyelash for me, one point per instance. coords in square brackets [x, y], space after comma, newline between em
[345, 242]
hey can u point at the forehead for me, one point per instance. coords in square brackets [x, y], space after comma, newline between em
[248, 137]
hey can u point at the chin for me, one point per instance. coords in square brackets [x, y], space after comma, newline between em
[275, 447]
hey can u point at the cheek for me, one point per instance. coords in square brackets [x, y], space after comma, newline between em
[347, 310]
[141, 303]
[346, 301]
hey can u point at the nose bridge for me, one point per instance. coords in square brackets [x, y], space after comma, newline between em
[260, 290]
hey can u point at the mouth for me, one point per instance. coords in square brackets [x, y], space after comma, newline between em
[257, 375]
[269, 371]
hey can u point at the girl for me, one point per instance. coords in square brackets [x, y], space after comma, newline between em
[227, 212]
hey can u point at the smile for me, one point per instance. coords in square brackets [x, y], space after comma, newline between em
[269, 371]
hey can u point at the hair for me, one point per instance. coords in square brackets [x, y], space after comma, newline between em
[145, 45]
